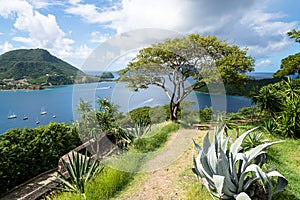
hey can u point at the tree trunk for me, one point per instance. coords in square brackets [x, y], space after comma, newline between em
[174, 108]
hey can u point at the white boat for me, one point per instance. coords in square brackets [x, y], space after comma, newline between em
[25, 117]
[54, 116]
[12, 116]
[43, 111]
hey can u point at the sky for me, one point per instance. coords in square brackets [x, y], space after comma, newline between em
[73, 29]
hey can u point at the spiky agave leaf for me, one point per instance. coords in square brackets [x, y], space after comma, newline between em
[229, 173]
[80, 171]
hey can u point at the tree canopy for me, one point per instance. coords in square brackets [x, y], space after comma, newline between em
[291, 64]
[180, 65]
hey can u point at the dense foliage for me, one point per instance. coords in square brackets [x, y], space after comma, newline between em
[25, 153]
[140, 115]
[93, 123]
[281, 100]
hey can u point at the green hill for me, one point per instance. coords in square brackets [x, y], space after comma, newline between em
[36, 67]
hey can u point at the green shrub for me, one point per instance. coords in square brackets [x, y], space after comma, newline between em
[205, 114]
[140, 115]
[25, 153]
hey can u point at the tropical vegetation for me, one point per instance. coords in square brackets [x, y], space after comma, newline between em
[26, 153]
[171, 63]
[281, 100]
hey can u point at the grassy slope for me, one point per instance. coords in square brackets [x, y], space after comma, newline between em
[112, 180]
[284, 156]
[177, 181]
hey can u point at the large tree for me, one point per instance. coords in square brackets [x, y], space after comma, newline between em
[291, 64]
[196, 59]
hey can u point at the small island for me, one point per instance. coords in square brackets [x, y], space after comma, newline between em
[106, 75]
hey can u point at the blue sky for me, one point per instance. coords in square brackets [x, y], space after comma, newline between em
[72, 29]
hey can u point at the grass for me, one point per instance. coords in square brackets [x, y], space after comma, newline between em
[107, 184]
[148, 144]
[104, 186]
[119, 171]
[192, 185]
[285, 158]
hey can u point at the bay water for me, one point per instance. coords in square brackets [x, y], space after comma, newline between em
[60, 102]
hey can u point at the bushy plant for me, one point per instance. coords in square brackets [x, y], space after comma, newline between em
[282, 101]
[270, 126]
[205, 114]
[140, 116]
[25, 153]
[229, 173]
[80, 170]
[103, 120]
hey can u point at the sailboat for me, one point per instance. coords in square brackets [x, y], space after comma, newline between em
[11, 116]
[43, 112]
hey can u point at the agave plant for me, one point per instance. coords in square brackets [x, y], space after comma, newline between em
[139, 130]
[228, 173]
[80, 170]
[253, 140]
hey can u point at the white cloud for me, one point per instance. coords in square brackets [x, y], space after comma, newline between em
[43, 30]
[97, 37]
[83, 51]
[6, 47]
[265, 62]
[246, 23]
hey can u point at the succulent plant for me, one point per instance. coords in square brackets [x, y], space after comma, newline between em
[80, 170]
[229, 173]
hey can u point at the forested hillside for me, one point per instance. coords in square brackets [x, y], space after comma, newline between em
[25, 67]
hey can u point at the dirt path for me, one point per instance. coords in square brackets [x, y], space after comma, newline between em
[166, 173]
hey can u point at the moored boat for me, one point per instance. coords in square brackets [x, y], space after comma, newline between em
[12, 116]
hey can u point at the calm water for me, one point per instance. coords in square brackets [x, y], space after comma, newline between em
[61, 101]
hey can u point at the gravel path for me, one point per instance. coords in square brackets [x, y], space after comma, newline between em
[165, 177]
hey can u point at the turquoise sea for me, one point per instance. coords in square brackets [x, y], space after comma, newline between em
[61, 101]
